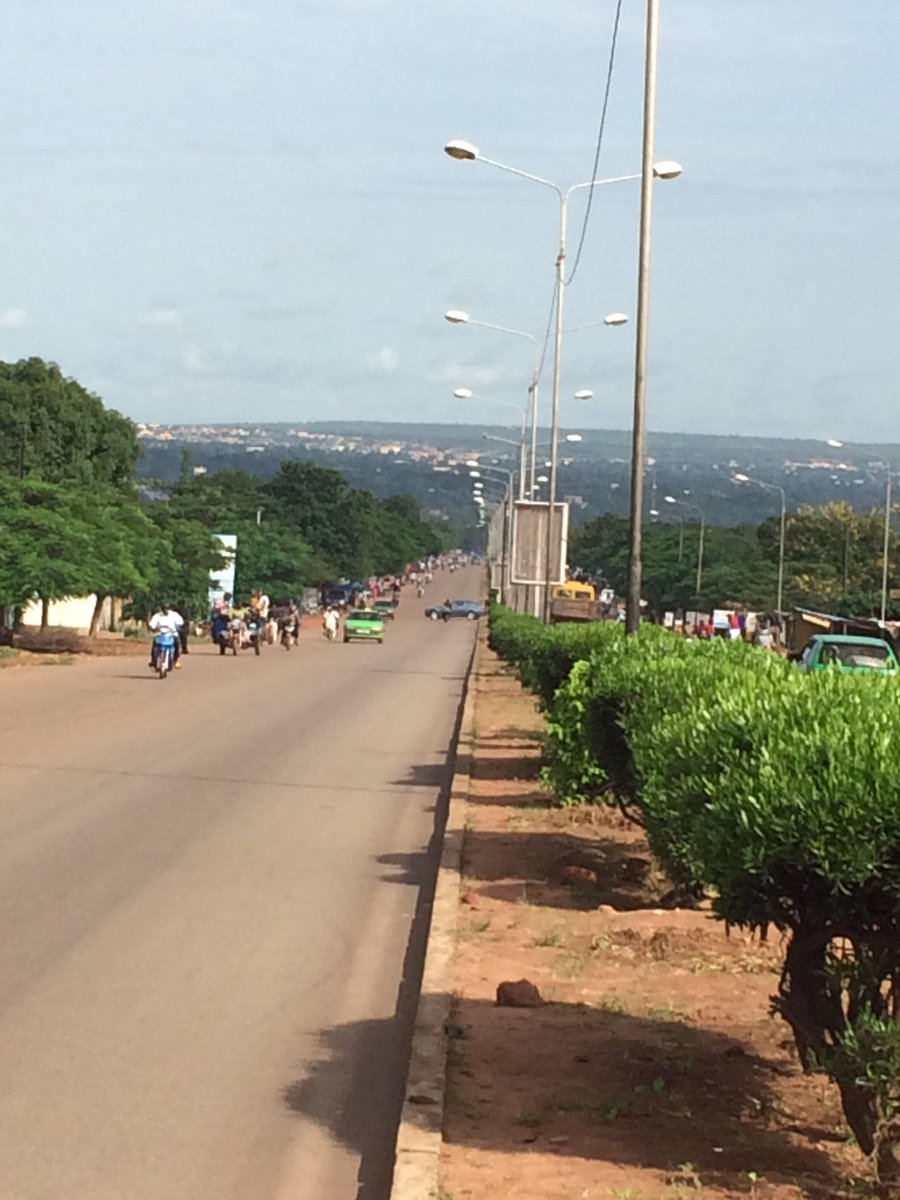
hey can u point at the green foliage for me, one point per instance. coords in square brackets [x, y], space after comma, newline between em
[776, 790]
[833, 560]
[311, 526]
[54, 430]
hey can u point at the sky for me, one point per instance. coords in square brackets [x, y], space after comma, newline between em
[240, 211]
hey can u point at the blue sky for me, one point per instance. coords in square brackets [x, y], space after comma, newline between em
[239, 210]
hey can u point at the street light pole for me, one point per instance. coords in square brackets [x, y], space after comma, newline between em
[468, 152]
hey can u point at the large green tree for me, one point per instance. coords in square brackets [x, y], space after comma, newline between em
[53, 429]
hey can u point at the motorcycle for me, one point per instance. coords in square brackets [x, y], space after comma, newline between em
[289, 632]
[164, 653]
[254, 635]
[235, 635]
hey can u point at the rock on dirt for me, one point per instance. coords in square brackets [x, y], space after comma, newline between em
[572, 874]
[521, 993]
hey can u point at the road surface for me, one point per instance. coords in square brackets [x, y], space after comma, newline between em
[208, 909]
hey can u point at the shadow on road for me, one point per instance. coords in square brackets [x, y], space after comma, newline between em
[573, 1081]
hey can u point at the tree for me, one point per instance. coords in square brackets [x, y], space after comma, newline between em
[53, 429]
[45, 550]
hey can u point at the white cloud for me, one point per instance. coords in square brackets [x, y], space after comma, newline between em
[13, 318]
[196, 361]
[162, 318]
[469, 375]
[386, 360]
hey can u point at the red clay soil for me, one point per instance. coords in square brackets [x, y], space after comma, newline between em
[654, 1069]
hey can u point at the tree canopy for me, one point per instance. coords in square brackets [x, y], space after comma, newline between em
[53, 429]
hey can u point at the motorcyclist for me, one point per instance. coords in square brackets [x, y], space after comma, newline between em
[253, 624]
[166, 620]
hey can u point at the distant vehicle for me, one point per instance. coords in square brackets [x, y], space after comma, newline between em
[848, 654]
[385, 608]
[364, 624]
[471, 610]
[574, 601]
[339, 594]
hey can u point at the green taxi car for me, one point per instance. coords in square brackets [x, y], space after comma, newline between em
[384, 608]
[848, 654]
[365, 625]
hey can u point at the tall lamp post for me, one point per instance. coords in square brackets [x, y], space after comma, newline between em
[467, 152]
[696, 508]
[781, 531]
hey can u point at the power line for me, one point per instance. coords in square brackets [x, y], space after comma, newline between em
[549, 330]
[607, 89]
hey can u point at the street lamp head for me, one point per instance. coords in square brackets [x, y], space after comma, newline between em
[584, 394]
[741, 478]
[542, 479]
[670, 500]
[463, 393]
[462, 150]
[834, 443]
[654, 512]
[474, 474]
[472, 462]
[574, 437]
[456, 316]
[667, 169]
[616, 319]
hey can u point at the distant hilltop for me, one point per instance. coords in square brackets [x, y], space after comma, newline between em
[429, 462]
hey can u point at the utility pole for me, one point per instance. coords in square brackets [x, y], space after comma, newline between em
[639, 430]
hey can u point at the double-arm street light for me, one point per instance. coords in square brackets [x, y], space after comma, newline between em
[466, 394]
[696, 508]
[467, 152]
[456, 316]
[774, 487]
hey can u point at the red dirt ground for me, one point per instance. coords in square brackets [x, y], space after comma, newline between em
[654, 1070]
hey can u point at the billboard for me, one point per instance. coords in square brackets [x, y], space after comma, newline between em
[221, 578]
[529, 542]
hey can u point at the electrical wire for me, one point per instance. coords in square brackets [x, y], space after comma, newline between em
[549, 330]
[606, 92]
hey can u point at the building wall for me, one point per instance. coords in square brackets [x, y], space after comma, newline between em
[75, 612]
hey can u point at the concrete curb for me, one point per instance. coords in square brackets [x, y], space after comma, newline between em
[420, 1134]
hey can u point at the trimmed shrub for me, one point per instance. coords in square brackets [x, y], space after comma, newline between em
[778, 791]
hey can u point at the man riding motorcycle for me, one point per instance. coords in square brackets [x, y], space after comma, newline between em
[166, 621]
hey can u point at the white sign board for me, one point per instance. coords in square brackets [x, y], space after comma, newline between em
[221, 578]
[529, 542]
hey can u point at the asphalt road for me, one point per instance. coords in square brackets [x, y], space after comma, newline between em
[211, 911]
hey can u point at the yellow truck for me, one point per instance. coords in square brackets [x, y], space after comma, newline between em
[573, 601]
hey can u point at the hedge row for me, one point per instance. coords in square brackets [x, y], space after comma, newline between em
[776, 791]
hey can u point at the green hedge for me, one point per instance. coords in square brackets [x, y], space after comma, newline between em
[777, 791]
